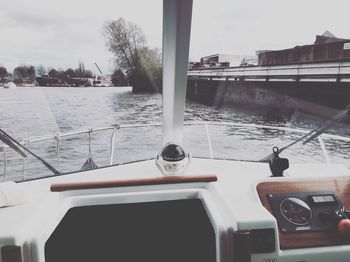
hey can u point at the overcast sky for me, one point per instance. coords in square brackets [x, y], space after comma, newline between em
[60, 33]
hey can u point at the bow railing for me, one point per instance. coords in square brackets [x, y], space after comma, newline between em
[115, 128]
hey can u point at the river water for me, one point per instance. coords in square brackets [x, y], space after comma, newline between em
[26, 113]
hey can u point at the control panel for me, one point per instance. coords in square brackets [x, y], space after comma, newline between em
[305, 211]
[309, 212]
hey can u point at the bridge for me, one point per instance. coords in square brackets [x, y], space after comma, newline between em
[308, 72]
[315, 88]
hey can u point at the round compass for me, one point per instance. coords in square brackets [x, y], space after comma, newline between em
[296, 211]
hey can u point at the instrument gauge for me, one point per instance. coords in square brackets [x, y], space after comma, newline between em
[296, 211]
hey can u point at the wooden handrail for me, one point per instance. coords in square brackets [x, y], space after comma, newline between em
[59, 187]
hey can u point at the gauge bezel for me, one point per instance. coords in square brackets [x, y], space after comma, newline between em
[289, 220]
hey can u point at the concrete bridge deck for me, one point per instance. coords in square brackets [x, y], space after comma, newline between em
[310, 72]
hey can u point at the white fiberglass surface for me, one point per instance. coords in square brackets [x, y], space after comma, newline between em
[232, 79]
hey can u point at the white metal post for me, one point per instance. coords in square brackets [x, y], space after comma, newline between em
[324, 150]
[177, 16]
[209, 140]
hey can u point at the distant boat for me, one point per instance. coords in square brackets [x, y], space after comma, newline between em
[98, 83]
[9, 85]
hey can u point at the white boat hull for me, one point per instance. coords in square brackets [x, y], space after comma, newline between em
[9, 85]
[232, 203]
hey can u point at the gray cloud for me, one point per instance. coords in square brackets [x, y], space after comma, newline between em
[60, 33]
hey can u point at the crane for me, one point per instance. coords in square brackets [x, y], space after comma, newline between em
[98, 82]
[99, 69]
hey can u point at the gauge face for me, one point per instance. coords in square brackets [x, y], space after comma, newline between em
[296, 211]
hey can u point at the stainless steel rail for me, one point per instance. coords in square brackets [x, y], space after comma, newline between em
[60, 136]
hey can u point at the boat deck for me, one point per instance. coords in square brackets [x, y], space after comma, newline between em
[232, 200]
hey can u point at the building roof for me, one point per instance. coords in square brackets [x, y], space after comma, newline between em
[328, 34]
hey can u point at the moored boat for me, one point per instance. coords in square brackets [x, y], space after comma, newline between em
[10, 85]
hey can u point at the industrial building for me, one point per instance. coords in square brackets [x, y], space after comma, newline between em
[326, 48]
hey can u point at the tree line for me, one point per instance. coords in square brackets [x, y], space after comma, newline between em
[28, 73]
[20, 74]
[136, 63]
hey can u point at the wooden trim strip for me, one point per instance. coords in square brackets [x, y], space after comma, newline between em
[59, 187]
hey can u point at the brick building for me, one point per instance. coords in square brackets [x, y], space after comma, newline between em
[327, 48]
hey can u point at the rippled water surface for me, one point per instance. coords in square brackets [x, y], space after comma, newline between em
[26, 113]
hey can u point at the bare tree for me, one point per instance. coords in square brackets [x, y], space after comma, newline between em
[151, 60]
[118, 78]
[128, 44]
[24, 73]
[81, 69]
[3, 73]
[124, 39]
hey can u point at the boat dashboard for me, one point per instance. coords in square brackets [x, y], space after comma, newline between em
[232, 211]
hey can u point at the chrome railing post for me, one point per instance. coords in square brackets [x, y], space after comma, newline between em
[324, 150]
[5, 163]
[111, 145]
[209, 141]
[57, 137]
[24, 162]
